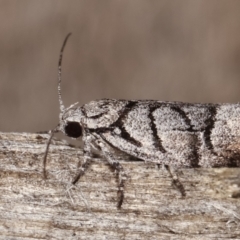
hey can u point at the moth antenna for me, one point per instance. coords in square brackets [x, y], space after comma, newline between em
[60, 75]
[46, 151]
[62, 108]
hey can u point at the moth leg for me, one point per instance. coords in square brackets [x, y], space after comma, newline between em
[86, 158]
[175, 180]
[121, 176]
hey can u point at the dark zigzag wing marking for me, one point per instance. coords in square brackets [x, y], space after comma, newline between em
[195, 153]
[129, 106]
[125, 135]
[195, 141]
[210, 122]
[119, 123]
[184, 116]
[156, 139]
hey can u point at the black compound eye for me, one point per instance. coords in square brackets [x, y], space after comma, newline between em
[73, 129]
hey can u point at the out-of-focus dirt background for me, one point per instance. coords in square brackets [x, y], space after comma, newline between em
[159, 49]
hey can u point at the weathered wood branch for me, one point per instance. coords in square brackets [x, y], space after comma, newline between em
[34, 208]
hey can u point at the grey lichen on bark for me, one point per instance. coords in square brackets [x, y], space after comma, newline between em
[35, 208]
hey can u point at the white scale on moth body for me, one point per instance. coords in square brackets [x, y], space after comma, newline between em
[172, 134]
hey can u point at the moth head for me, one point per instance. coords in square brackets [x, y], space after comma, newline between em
[70, 122]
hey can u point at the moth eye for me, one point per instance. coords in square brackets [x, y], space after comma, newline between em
[73, 129]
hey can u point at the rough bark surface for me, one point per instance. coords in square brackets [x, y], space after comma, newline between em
[34, 208]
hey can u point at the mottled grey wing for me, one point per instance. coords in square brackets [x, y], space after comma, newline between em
[169, 133]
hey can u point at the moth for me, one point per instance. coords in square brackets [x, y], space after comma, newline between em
[173, 134]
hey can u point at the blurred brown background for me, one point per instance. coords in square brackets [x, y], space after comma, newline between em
[154, 49]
